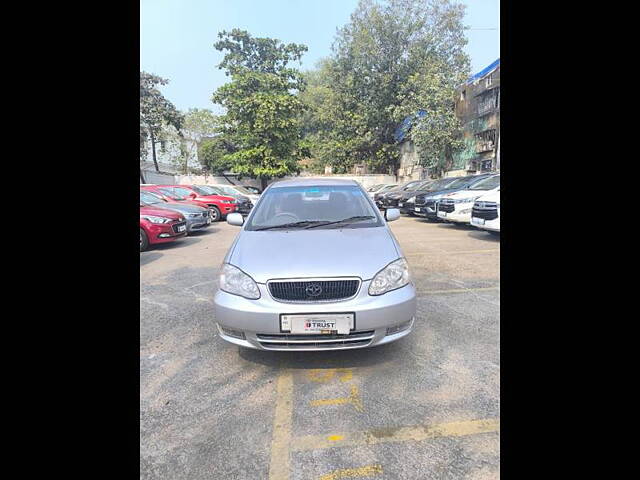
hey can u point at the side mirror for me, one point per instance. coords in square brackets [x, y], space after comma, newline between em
[391, 214]
[235, 219]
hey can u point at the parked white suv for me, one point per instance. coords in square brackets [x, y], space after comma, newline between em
[456, 207]
[486, 211]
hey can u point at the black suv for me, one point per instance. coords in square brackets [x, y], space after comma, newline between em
[383, 201]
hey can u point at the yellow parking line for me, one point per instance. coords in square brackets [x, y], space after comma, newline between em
[458, 290]
[367, 471]
[282, 420]
[400, 434]
[354, 398]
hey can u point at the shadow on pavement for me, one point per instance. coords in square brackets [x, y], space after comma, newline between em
[148, 257]
[363, 357]
[484, 236]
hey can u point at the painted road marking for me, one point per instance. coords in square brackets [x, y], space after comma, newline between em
[324, 375]
[367, 471]
[458, 290]
[402, 434]
[282, 421]
[354, 399]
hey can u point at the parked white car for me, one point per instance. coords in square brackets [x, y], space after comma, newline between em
[383, 187]
[486, 211]
[456, 207]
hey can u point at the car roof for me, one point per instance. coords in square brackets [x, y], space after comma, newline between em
[313, 182]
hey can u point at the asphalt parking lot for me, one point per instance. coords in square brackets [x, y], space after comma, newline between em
[425, 407]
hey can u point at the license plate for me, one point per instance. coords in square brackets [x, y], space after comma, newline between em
[326, 323]
[479, 221]
[182, 228]
[444, 214]
[417, 209]
[400, 204]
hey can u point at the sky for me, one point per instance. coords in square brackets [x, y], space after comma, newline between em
[177, 37]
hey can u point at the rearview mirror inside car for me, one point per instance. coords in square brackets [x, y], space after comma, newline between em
[235, 219]
[391, 214]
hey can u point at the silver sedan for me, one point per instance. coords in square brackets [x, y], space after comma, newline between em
[314, 267]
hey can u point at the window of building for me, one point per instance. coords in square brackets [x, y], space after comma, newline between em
[489, 80]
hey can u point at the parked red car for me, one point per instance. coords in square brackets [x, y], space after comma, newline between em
[167, 193]
[159, 225]
[220, 205]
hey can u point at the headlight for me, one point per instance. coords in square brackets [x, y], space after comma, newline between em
[194, 215]
[235, 281]
[232, 201]
[412, 200]
[154, 219]
[466, 200]
[391, 277]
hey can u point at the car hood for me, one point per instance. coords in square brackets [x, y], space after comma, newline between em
[466, 194]
[440, 193]
[183, 208]
[490, 196]
[159, 212]
[359, 252]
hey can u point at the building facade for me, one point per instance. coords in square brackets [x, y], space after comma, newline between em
[478, 108]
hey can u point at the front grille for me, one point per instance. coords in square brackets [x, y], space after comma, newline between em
[486, 210]
[391, 202]
[446, 207]
[313, 290]
[315, 341]
[176, 225]
[420, 201]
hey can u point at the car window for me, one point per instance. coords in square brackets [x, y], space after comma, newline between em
[150, 198]
[487, 183]
[314, 205]
[171, 193]
[388, 187]
[185, 192]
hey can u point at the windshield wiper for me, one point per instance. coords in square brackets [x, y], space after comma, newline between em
[354, 219]
[302, 223]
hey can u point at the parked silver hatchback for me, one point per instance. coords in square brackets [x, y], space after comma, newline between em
[315, 267]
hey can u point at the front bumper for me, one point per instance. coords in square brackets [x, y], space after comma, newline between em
[493, 225]
[164, 232]
[198, 223]
[258, 321]
[427, 210]
[461, 213]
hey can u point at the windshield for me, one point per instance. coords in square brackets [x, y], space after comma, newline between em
[209, 190]
[388, 187]
[169, 193]
[375, 187]
[487, 184]
[199, 190]
[184, 192]
[410, 185]
[150, 198]
[321, 207]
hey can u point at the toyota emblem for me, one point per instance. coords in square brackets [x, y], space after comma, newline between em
[313, 290]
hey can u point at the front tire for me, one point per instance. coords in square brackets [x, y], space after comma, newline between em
[144, 240]
[215, 214]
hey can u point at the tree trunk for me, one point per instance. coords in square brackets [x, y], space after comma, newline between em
[142, 177]
[263, 182]
[153, 150]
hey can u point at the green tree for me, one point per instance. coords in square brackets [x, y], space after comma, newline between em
[263, 111]
[198, 125]
[374, 78]
[155, 113]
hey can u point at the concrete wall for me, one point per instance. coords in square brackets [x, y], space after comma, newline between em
[151, 176]
[365, 180]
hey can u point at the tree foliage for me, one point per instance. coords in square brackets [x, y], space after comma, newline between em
[263, 109]
[155, 112]
[393, 58]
